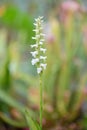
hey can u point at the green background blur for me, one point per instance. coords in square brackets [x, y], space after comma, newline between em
[65, 80]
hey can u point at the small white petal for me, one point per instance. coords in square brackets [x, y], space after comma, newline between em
[35, 24]
[34, 53]
[34, 38]
[43, 65]
[36, 30]
[41, 28]
[36, 19]
[39, 70]
[37, 36]
[41, 17]
[41, 21]
[43, 50]
[42, 34]
[42, 40]
[34, 61]
[41, 43]
[35, 45]
[43, 57]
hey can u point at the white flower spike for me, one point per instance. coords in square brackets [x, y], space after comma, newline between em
[39, 50]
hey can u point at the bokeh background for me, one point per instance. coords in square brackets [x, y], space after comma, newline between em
[65, 79]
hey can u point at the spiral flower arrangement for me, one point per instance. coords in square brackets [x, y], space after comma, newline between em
[39, 58]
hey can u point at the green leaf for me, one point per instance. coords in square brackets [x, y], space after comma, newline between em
[7, 119]
[11, 101]
[32, 124]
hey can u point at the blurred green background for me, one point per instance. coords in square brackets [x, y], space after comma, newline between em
[65, 80]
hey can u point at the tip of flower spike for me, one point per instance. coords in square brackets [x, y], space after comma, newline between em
[41, 17]
[36, 19]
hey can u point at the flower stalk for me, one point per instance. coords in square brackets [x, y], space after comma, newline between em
[41, 102]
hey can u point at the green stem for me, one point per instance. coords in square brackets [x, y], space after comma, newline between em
[41, 103]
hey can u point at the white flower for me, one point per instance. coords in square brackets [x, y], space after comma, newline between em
[43, 57]
[41, 17]
[36, 30]
[39, 70]
[34, 38]
[34, 61]
[42, 34]
[36, 20]
[43, 65]
[35, 45]
[34, 53]
[43, 50]
[41, 28]
[37, 36]
[41, 43]
[42, 40]
[35, 24]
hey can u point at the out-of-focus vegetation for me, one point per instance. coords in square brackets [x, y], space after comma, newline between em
[65, 79]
